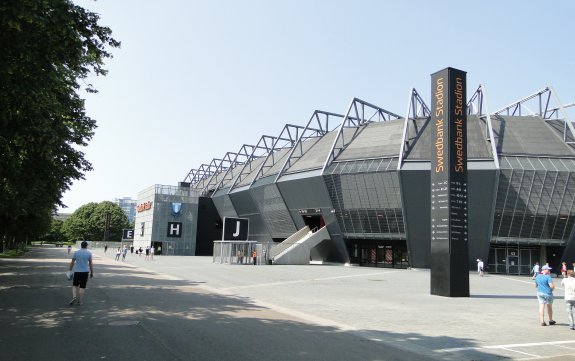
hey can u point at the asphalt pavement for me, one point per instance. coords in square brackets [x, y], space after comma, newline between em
[190, 308]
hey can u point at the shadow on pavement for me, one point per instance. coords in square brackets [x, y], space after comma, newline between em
[131, 314]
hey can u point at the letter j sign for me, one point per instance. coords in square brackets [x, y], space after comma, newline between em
[235, 229]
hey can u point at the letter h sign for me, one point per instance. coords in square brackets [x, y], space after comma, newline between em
[174, 229]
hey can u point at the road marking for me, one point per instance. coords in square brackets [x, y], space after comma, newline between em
[505, 347]
[307, 280]
[521, 352]
[531, 282]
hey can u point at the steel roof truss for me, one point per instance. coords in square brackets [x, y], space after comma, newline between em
[359, 107]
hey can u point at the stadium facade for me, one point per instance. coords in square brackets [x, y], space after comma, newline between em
[355, 188]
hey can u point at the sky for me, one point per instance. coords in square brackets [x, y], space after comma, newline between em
[194, 80]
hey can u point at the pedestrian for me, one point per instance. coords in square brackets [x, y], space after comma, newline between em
[69, 248]
[141, 250]
[254, 256]
[545, 287]
[147, 253]
[82, 266]
[535, 270]
[132, 249]
[105, 247]
[124, 252]
[118, 252]
[563, 269]
[569, 286]
[480, 267]
[152, 250]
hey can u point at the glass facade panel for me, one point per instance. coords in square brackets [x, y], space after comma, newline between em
[367, 204]
[534, 200]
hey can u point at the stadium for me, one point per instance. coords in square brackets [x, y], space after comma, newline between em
[354, 188]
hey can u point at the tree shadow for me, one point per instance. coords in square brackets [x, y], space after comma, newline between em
[133, 314]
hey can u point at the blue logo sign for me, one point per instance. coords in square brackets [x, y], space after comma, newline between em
[176, 209]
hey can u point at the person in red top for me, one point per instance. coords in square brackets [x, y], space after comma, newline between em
[563, 269]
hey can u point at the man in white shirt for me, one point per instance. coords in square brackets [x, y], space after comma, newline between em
[82, 265]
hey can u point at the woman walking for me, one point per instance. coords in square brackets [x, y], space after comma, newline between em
[569, 285]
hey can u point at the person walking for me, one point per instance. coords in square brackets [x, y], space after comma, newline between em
[254, 256]
[82, 267]
[535, 270]
[152, 250]
[147, 253]
[118, 253]
[563, 269]
[105, 247]
[480, 267]
[124, 252]
[569, 286]
[545, 287]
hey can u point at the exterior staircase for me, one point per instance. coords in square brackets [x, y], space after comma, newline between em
[296, 248]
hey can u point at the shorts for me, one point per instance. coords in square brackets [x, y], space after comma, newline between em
[80, 279]
[544, 298]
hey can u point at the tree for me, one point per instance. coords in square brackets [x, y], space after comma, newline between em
[55, 234]
[49, 47]
[88, 222]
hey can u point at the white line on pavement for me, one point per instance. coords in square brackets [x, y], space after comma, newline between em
[307, 280]
[534, 344]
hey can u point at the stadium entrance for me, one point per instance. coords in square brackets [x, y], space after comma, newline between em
[312, 218]
[519, 259]
[378, 253]
[513, 260]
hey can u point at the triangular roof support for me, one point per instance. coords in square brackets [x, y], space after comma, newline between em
[261, 149]
[206, 172]
[416, 108]
[358, 113]
[543, 97]
[321, 120]
[477, 105]
[244, 156]
[286, 139]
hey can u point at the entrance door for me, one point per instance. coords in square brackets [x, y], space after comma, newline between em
[368, 257]
[512, 261]
[157, 248]
[314, 222]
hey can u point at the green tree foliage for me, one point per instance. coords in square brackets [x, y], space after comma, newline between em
[55, 234]
[48, 48]
[88, 222]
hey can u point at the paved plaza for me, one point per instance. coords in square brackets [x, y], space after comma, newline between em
[320, 312]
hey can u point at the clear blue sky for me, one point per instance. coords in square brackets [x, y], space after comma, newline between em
[196, 79]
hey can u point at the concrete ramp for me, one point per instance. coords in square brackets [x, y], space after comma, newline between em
[299, 250]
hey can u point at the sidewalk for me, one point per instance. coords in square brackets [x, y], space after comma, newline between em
[131, 313]
[188, 308]
[499, 321]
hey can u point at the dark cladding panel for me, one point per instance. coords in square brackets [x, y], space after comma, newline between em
[273, 210]
[449, 237]
[415, 188]
[310, 194]
[246, 208]
[209, 228]
[224, 205]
